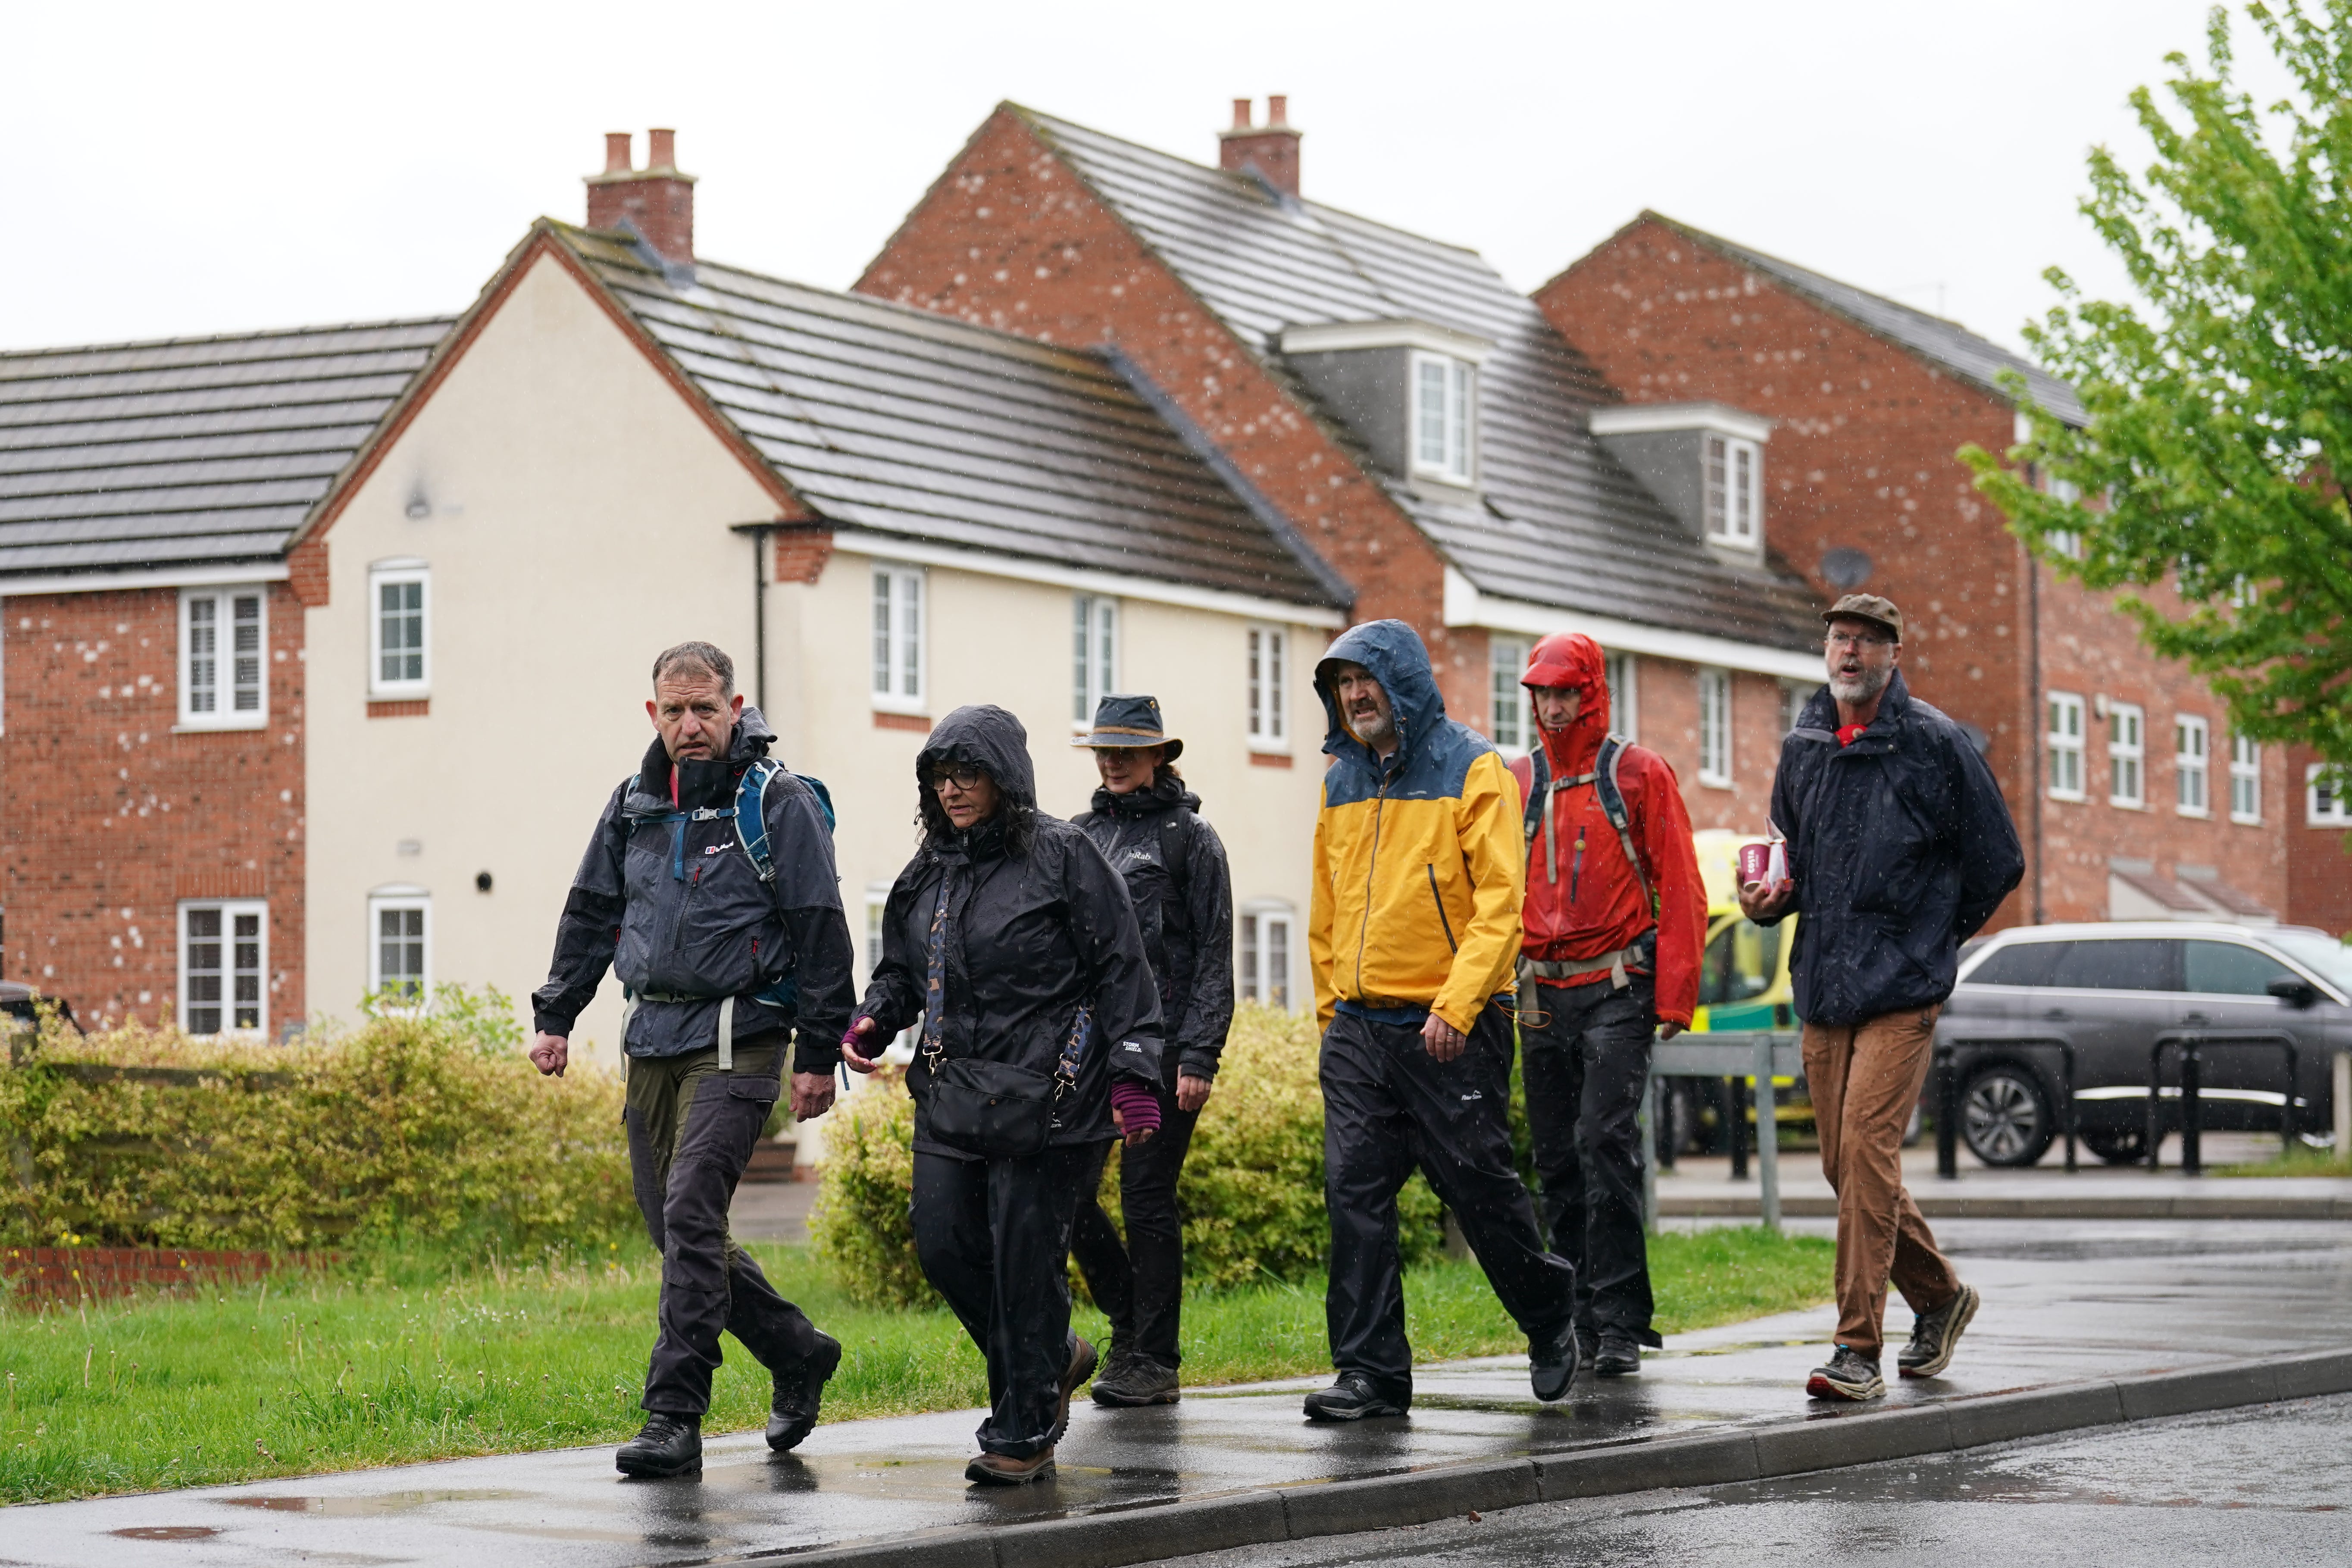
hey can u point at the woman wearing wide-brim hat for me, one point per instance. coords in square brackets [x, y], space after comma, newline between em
[1147, 824]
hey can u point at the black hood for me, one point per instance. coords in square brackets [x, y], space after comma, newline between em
[700, 783]
[987, 737]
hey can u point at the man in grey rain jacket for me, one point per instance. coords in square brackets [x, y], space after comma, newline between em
[722, 965]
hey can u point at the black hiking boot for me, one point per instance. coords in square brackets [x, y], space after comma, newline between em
[669, 1445]
[1617, 1355]
[1935, 1335]
[1848, 1374]
[1552, 1361]
[1137, 1379]
[1354, 1397]
[791, 1414]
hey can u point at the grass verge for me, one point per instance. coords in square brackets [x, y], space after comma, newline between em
[389, 1364]
[2300, 1161]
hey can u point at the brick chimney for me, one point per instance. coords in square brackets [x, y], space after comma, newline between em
[656, 199]
[1271, 149]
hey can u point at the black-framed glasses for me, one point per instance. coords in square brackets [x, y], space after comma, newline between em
[963, 775]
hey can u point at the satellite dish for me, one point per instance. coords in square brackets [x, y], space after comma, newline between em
[1845, 568]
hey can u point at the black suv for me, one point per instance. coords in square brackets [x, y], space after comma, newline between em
[2112, 992]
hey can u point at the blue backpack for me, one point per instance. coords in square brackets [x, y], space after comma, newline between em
[750, 806]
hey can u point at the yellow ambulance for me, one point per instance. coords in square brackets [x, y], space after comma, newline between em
[1743, 978]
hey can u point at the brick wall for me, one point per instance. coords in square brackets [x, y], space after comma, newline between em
[111, 817]
[1009, 236]
[1861, 456]
[2319, 871]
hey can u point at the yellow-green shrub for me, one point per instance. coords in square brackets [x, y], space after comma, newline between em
[1251, 1192]
[428, 1126]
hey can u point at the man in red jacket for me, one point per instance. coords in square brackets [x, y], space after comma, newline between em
[1614, 919]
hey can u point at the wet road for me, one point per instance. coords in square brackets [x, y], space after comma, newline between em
[2064, 1302]
[2271, 1485]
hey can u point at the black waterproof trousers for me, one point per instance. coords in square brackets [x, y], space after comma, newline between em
[994, 1237]
[1140, 1286]
[1388, 1107]
[1588, 1059]
[691, 1131]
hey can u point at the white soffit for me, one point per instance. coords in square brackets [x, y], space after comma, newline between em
[883, 547]
[1650, 418]
[166, 577]
[1406, 332]
[1465, 606]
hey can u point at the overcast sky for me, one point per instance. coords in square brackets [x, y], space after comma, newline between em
[184, 170]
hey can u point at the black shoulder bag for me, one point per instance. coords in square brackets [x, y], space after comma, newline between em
[994, 1109]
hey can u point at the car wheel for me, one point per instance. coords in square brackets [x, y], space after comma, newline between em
[2004, 1119]
[2117, 1145]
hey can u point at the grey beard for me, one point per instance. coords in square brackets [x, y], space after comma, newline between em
[1861, 689]
[1374, 732]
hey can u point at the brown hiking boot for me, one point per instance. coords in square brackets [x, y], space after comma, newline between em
[1003, 1470]
[1081, 1367]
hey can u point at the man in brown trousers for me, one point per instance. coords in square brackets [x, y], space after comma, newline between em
[1900, 847]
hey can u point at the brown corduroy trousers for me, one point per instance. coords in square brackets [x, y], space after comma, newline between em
[1863, 1080]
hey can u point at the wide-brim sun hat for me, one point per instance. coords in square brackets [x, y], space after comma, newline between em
[1130, 721]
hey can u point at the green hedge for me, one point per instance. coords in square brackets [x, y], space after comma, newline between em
[1251, 1191]
[428, 1127]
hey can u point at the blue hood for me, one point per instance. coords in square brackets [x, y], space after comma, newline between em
[1395, 655]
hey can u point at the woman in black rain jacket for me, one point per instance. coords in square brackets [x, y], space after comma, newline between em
[1034, 941]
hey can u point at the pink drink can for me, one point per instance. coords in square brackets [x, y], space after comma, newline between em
[1754, 863]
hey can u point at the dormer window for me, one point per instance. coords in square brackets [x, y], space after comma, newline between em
[1443, 405]
[1735, 490]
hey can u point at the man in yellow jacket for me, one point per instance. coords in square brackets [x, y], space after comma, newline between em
[1413, 936]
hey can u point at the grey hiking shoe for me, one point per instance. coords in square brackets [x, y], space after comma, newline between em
[1848, 1374]
[1935, 1334]
[1137, 1379]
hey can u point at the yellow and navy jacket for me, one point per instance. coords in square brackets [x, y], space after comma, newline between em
[1419, 863]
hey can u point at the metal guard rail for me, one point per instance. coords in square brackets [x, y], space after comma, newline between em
[1947, 1095]
[2189, 1043]
[1760, 1055]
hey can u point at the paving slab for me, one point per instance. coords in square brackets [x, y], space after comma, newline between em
[2081, 1306]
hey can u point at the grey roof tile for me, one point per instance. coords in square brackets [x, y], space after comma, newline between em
[898, 422]
[1564, 523]
[191, 451]
[1976, 360]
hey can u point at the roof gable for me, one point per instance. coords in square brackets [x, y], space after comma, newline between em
[1946, 344]
[1558, 521]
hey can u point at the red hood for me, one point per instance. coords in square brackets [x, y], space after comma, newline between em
[1572, 658]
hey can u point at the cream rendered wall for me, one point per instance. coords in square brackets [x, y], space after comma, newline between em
[577, 524]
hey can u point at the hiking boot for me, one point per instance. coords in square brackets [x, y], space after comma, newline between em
[669, 1445]
[1552, 1362]
[1003, 1470]
[1074, 1377]
[1849, 1374]
[1353, 1398]
[1137, 1379]
[792, 1413]
[1588, 1345]
[1617, 1355]
[1934, 1335]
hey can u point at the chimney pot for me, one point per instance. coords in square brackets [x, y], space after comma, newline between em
[1271, 150]
[657, 201]
[1241, 114]
[1278, 109]
[661, 148]
[616, 151]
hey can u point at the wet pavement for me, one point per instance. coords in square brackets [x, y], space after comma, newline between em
[2064, 1302]
[2272, 1484]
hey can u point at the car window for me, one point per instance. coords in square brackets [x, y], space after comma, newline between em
[2322, 955]
[1739, 962]
[2228, 969]
[2019, 964]
[2123, 963]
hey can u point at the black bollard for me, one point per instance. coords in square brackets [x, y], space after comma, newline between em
[1947, 1115]
[1738, 1102]
[2192, 1150]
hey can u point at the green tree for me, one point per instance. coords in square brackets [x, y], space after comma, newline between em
[2220, 408]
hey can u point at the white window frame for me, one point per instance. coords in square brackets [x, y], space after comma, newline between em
[1715, 761]
[2245, 778]
[897, 672]
[1512, 724]
[1794, 695]
[1624, 673]
[1093, 655]
[1255, 953]
[1266, 654]
[1731, 477]
[2328, 807]
[230, 908]
[384, 574]
[1443, 449]
[2192, 766]
[2127, 758]
[222, 603]
[401, 901]
[2066, 741]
